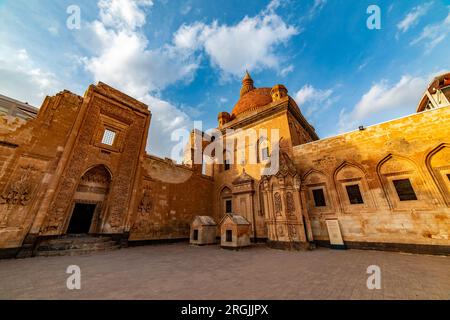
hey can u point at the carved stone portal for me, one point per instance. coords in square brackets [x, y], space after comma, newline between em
[285, 223]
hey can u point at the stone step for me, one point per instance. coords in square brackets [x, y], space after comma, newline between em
[75, 245]
[74, 252]
[66, 240]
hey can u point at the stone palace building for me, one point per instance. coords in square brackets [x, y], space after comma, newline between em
[80, 167]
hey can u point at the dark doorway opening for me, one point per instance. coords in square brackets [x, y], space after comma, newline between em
[229, 236]
[81, 218]
[228, 206]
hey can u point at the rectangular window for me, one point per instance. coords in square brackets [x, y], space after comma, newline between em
[195, 235]
[404, 190]
[228, 206]
[108, 137]
[319, 198]
[354, 194]
[229, 236]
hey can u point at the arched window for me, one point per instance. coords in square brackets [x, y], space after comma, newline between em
[317, 193]
[352, 188]
[403, 183]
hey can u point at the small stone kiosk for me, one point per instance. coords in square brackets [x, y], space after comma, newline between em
[203, 231]
[235, 231]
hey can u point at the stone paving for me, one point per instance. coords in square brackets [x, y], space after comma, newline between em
[180, 271]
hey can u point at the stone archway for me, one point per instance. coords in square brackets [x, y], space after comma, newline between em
[88, 205]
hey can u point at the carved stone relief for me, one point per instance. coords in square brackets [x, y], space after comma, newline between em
[290, 204]
[277, 203]
[20, 191]
[146, 204]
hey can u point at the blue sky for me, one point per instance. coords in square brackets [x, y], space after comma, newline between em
[185, 59]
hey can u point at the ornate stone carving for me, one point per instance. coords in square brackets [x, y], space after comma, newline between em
[290, 204]
[277, 203]
[287, 166]
[280, 231]
[292, 231]
[146, 205]
[19, 192]
[96, 175]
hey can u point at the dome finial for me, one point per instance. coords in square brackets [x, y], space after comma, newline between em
[247, 76]
[247, 84]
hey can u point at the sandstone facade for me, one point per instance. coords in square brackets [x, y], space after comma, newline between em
[81, 167]
[59, 164]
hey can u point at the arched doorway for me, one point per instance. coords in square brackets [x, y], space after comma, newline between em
[88, 201]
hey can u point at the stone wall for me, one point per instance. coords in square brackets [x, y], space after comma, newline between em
[416, 147]
[29, 156]
[170, 196]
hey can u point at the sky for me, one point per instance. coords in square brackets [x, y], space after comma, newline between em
[186, 59]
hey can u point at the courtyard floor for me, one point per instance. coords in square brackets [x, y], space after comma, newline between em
[180, 271]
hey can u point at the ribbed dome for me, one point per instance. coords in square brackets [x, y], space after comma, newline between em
[252, 100]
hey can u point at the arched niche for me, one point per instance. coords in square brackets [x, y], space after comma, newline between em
[317, 194]
[352, 188]
[438, 163]
[403, 184]
[88, 204]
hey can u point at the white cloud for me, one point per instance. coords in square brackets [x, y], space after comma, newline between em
[123, 60]
[250, 44]
[186, 9]
[412, 17]
[123, 14]
[400, 98]
[313, 100]
[285, 71]
[188, 36]
[317, 7]
[22, 79]
[273, 5]
[434, 34]
[166, 118]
